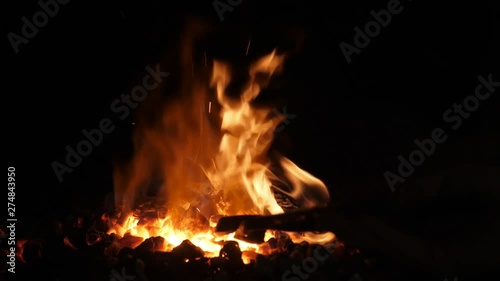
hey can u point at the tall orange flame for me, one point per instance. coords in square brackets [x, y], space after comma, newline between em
[203, 171]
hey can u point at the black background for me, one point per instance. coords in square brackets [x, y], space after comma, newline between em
[353, 120]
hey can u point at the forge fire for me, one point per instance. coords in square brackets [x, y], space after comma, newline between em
[188, 171]
[237, 140]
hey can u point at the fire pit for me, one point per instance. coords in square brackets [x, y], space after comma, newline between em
[200, 200]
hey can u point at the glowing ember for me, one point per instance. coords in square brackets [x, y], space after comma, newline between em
[201, 173]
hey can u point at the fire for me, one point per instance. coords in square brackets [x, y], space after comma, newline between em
[237, 172]
[186, 172]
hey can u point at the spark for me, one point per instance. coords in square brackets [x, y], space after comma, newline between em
[213, 163]
[248, 46]
[209, 106]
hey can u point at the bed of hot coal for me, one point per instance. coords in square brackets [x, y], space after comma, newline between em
[79, 249]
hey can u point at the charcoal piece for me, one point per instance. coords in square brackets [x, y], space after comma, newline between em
[32, 251]
[230, 224]
[130, 241]
[196, 269]
[149, 245]
[304, 248]
[113, 237]
[217, 264]
[101, 223]
[285, 244]
[251, 236]
[96, 248]
[273, 243]
[92, 237]
[162, 258]
[263, 266]
[75, 240]
[222, 268]
[231, 251]
[112, 249]
[111, 261]
[125, 251]
[187, 250]
[162, 265]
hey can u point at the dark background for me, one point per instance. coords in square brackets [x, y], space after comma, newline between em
[353, 120]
